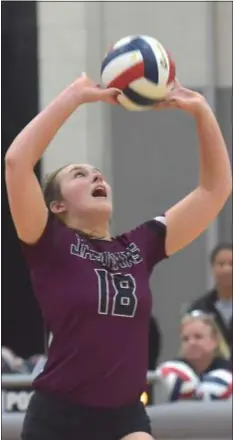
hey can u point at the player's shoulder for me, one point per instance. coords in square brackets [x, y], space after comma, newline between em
[53, 226]
[43, 248]
[149, 240]
[156, 225]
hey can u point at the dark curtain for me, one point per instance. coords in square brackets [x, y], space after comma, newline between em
[21, 318]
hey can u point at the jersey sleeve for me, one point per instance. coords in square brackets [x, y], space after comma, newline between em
[39, 253]
[150, 238]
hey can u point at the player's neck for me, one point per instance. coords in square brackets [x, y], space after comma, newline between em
[99, 231]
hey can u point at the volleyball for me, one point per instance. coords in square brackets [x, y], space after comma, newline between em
[216, 385]
[141, 68]
[178, 380]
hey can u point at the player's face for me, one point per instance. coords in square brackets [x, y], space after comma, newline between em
[84, 190]
[197, 340]
[222, 268]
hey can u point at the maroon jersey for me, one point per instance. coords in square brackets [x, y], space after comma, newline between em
[96, 300]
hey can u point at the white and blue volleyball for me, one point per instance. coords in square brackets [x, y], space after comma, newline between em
[216, 385]
[178, 380]
[141, 68]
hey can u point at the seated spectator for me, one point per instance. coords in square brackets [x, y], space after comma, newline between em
[204, 362]
[5, 367]
[202, 344]
[33, 360]
[219, 300]
[11, 363]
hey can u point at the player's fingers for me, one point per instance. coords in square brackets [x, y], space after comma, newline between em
[159, 105]
[168, 103]
[111, 92]
[110, 95]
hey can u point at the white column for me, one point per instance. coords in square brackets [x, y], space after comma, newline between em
[223, 39]
[62, 57]
[98, 116]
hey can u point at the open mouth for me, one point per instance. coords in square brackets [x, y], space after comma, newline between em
[99, 192]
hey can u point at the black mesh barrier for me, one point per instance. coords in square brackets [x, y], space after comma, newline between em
[21, 319]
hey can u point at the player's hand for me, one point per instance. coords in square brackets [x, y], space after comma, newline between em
[184, 99]
[89, 92]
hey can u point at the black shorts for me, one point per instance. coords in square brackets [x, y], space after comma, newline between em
[49, 418]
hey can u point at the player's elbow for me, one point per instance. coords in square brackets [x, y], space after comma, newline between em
[13, 160]
[16, 163]
[10, 160]
[219, 193]
[226, 183]
[214, 202]
[223, 192]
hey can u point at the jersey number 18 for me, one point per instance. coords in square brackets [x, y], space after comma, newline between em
[124, 302]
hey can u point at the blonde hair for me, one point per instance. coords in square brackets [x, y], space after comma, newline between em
[222, 348]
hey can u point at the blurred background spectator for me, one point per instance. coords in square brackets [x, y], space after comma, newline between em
[218, 301]
[202, 344]
[11, 363]
[203, 369]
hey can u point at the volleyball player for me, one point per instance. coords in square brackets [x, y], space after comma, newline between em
[93, 289]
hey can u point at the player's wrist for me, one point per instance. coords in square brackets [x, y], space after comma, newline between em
[202, 109]
[77, 93]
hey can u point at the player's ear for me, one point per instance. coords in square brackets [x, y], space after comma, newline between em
[57, 207]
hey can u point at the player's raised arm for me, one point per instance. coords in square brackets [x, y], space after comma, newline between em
[191, 216]
[26, 200]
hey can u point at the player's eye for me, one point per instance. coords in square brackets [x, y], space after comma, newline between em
[185, 339]
[79, 174]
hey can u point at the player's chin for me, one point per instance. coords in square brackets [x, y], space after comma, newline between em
[101, 204]
[195, 354]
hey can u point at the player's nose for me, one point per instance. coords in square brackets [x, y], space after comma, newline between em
[97, 177]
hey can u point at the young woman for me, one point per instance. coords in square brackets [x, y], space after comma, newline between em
[218, 301]
[202, 345]
[93, 289]
[204, 350]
